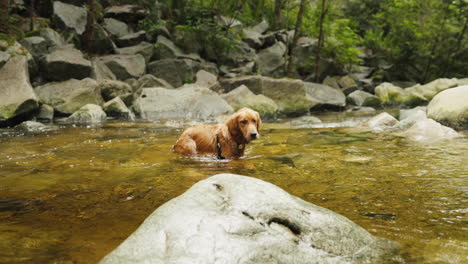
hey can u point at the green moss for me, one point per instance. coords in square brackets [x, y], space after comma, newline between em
[7, 111]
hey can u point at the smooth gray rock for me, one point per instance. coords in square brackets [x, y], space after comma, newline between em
[112, 88]
[421, 94]
[253, 38]
[409, 117]
[126, 13]
[240, 54]
[66, 63]
[131, 39]
[290, 95]
[89, 113]
[4, 57]
[428, 130]
[324, 97]
[148, 81]
[34, 127]
[347, 84]
[46, 113]
[166, 49]
[359, 97]
[125, 66]
[231, 218]
[116, 108]
[261, 27]
[206, 79]
[101, 42]
[179, 71]
[37, 46]
[52, 37]
[187, 102]
[100, 71]
[17, 96]
[381, 122]
[271, 61]
[406, 113]
[69, 96]
[450, 107]
[144, 48]
[116, 28]
[69, 17]
[243, 97]
[228, 22]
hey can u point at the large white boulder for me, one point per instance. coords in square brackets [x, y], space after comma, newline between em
[231, 218]
[450, 107]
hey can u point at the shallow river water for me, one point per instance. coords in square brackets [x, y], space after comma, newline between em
[72, 195]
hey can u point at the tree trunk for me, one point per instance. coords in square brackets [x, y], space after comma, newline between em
[321, 39]
[297, 33]
[277, 15]
[4, 25]
[88, 35]
[32, 14]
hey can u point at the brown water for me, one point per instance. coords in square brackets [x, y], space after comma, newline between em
[71, 196]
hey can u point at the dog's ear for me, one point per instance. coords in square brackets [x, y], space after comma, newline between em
[259, 120]
[233, 125]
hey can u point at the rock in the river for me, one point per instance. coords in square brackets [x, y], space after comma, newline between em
[179, 71]
[389, 94]
[361, 98]
[89, 113]
[111, 89]
[243, 97]
[187, 102]
[381, 122]
[450, 107]
[230, 218]
[66, 63]
[421, 94]
[33, 127]
[69, 17]
[271, 61]
[46, 113]
[116, 28]
[117, 108]
[305, 122]
[290, 95]
[17, 96]
[409, 117]
[324, 97]
[69, 96]
[428, 130]
[125, 66]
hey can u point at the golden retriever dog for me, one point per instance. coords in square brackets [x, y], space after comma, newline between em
[226, 140]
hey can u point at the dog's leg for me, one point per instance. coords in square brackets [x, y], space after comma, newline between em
[186, 146]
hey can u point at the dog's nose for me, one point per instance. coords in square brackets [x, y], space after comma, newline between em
[253, 135]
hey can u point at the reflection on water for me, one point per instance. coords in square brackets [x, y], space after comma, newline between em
[72, 195]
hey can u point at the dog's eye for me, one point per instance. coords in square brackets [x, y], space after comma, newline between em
[254, 121]
[243, 122]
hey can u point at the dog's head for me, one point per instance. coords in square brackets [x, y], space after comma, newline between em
[244, 125]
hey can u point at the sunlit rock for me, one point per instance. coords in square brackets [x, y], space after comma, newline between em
[230, 218]
[381, 122]
[187, 102]
[243, 97]
[428, 130]
[89, 113]
[450, 107]
[17, 97]
[69, 96]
